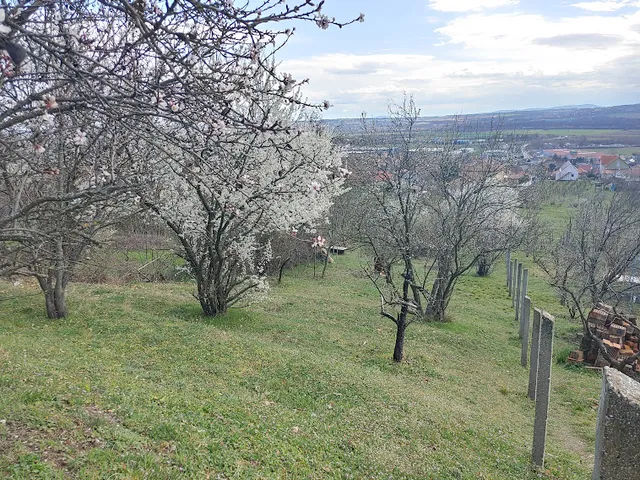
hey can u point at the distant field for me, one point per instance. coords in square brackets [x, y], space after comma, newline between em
[578, 132]
[618, 150]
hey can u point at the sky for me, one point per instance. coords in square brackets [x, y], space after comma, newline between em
[469, 56]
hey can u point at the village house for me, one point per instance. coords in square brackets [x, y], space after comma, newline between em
[613, 166]
[567, 173]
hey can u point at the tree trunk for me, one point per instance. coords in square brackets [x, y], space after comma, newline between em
[281, 270]
[60, 281]
[54, 296]
[326, 257]
[211, 305]
[398, 351]
[483, 267]
[212, 302]
[440, 296]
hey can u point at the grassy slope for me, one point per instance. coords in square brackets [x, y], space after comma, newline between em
[135, 384]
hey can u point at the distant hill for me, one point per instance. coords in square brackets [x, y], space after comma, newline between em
[592, 117]
[539, 109]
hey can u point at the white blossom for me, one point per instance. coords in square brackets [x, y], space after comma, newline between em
[3, 28]
[323, 21]
[80, 138]
[47, 120]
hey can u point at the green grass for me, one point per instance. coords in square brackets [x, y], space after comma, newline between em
[616, 150]
[137, 384]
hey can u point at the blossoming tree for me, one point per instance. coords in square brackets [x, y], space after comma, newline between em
[77, 175]
[155, 69]
[237, 186]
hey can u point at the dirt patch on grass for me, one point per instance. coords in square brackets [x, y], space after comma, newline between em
[52, 447]
[572, 442]
[102, 415]
[57, 447]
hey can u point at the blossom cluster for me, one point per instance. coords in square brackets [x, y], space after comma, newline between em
[319, 242]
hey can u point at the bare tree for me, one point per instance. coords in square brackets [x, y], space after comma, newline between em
[473, 215]
[424, 209]
[586, 265]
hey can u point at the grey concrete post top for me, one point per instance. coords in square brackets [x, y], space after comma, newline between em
[623, 385]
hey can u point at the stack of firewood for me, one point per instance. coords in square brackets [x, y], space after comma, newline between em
[619, 334]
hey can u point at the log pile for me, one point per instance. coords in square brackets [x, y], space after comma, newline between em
[618, 332]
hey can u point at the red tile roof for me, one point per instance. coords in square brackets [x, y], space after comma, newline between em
[608, 159]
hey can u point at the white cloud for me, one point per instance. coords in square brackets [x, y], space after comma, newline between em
[469, 5]
[485, 61]
[606, 6]
[524, 42]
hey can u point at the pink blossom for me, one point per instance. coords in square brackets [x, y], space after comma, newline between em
[50, 101]
[315, 187]
[319, 242]
[39, 149]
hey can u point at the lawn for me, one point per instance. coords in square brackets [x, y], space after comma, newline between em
[137, 384]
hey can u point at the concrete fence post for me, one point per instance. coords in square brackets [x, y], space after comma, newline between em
[523, 293]
[518, 289]
[533, 358]
[524, 322]
[508, 262]
[618, 428]
[514, 266]
[543, 389]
